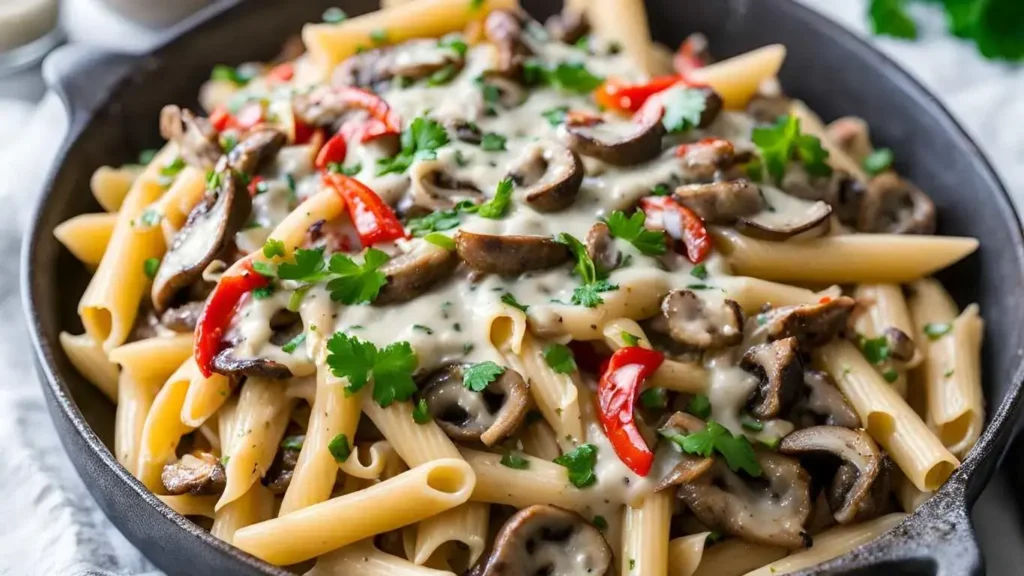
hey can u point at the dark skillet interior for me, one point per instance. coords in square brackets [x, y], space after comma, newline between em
[834, 72]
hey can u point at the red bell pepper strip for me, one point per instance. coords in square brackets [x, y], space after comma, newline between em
[687, 58]
[254, 185]
[216, 316]
[221, 119]
[383, 120]
[617, 392]
[680, 223]
[281, 73]
[373, 219]
[615, 95]
[332, 152]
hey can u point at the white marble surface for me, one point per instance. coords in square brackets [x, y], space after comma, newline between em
[51, 525]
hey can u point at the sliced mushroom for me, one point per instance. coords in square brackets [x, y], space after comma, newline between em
[713, 104]
[859, 490]
[488, 416]
[504, 29]
[467, 131]
[228, 364]
[641, 144]
[509, 255]
[901, 347]
[199, 473]
[568, 26]
[412, 60]
[703, 159]
[279, 476]
[183, 318]
[768, 510]
[893, 205]
[544, 539]
[811, 324]
[197, 140]
[510, 92]
[690, 467]
[551, 175]
[255, 149]
[780, 374]
[851, 135]
[213, 223]
[413, 273]
[703, 323]
[601, 248]
[722, 202]
[823, 404]
[813, 222]
[433, 188]
[843, 192]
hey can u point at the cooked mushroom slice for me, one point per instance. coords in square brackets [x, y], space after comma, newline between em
[413, 273]
[199, 473]
[722, 202]
[843, 192]
[859, 490]
[255, 149]
[467, 131]
[813, 222]
[713, 104]
[412, 60]
[504, 29]
[601, 248]
[704, 159]
[433, 188]
[279, 476]
[489, 416]
[703, 323]
[568, 26]
[220, 213]
[811, 324]
[901, 347]
[552, 176]
[690, 467]
[183, 319]
[769, 510]
[780, 374]
[893, 205]
[196, 138]
[547, 540]
[823, 404]
[850, 134]
[508, 255]
[228, 364]
[640, 144]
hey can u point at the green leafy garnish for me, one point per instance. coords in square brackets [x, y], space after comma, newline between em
[936, 330]
[379, 36]
[146, 156]
[654, 399]
[631, 229]
[699, 406]
[149, 217]
[293, 442]
[338, 168]
[514, 461]
[480, 375]
[891, 375]
[236, 76]
[150, 266]
[443, 76]
[751, 423]
[440, 220]
[876, 350]
[454, 43]
[357, 283]
[878, 161]
[889, 17]
[334, 15]
[683, 108]
[588, 294]
[660, 190]
[560, 358]
[600, 523]
[630, 339]
[572, 77]
[737, 451]
[419, 142]
[580, 464]
[497, 206]
[273, 247]
[476, 4]
[509, 299]
[555, 116]
[438, 239]
[339, 448]
[700, 272]
[170, 170]
[294, 343]
[493, 142]
[421, 413]
[263, 292]
[358, 360]
[783, 142]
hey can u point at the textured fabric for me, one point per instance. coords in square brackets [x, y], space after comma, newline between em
[49, 525]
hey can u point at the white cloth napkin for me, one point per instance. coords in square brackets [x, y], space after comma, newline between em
[51, 526]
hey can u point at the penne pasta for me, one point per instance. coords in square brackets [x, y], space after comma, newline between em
[685, 554]
[364, 559]
[253, 507]
[190, 505]
[555, 393]
[153, 358]
[541, 482]
[87, 236]
[737, 79]
[539, 441]
[735, 557]
[645, 548]
[163, 428]
[110, 185]
[88, 357]
[465, 525]
[134, 398]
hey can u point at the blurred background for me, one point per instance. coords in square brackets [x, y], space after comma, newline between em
[52, 526]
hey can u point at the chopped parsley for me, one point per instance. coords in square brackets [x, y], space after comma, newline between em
[631, 229]
[293, 442]
[419, 142]
[150, 266]
[170, 170]
[509, 299]
[654, 399]
[334, 15]
[497, 206]
[737, 451]
[263, 292]
[660, 190]
[455, 44]
[580, 464]
[273, 247]
[783, 142]
[878, 161]
[560, 358]
[891, 375]
[629, 339]
[237, 76]
[421, 412]
[588, 294]
[514, 461]
[876, 350]
[948, 373]
[339, 448]
[348, 282]
[338, 168]
[146, 156]
[555, 116]
[571, 77]
[700, 272]
[379, 36]
[294, 343]
[149, 217]
[600, 523]
[425, 329]
[683, 108]
[480, 375]
[493, 142]
[438, 239]
[440, 220]
[699, 406]
[443, 76]
[889, 17]
[936, 330]
[751, 423]
[358, 360]
[476, 4]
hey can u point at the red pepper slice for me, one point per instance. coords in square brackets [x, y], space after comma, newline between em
[686, 58]
[374, 220]
[615, 95]
[383, 121]
[281, 73]
[221, 119]
[616, 392]
[680, 223]
[217, 314]
[333, 151]
[254, 185]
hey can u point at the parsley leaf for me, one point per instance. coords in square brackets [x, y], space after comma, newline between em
[357, 283]
[392, 374]
[585, 267]
[150, 266]
[631, 229]
[782, 142]
[231, 74]
[683, 108]
[654, 399]
[699, 406]
[273, 247]
[737, 451]
[936, 330]
[891, 375]
[293, 442]
[339, 448]
[751, 423]
[308, 266]
[555, 116]
[560, 358]
[514, 461]
[351, 358]
[421, 412]
[600, 523]
[496, 207]
[438, 239]
[580, 464]
[878, 161]
[509, 299]
[419, 142]
[588, 295]
[334, 15]
[263, 292]
[699, 272]
[889, 17]
[146, 156]
[572, 77]
[493, 142]
[454, 43]
[440, 220]
[876, 350]
[630, 339]
[480, 375]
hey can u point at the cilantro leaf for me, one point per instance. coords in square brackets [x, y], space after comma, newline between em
[514, 461]
[339, 448]
[572, 77]
[560, 358]
[936, 330]
[357, 283]
[783, 142]
[555, 116]
[480, 375]
[878, 161]
[683, 108]
[419, 142]
[631, 229]
[588, 295]
[392, 374]
[351, 358]
[421, 413]
[493, 142]
[889, 17]
[263, 292]
[308, 266]
[737, 451]
[699, 406]
[496, 207]
[580, 464]
[585, 267]
[509, 299]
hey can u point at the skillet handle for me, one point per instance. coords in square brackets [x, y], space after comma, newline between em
[83, 77]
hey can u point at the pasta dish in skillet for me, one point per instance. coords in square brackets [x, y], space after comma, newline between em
[447, 290]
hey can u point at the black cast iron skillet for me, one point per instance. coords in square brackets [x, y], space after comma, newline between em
[113, 103]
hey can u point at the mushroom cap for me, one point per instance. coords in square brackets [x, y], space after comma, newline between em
[811, 324]
[414, 60]
[434, 188]
[780, 373]
[568, 26]
[197, 140]
[183, 318]
[212, 223]
[769, 510]
[258, 146]
[851, 135]
[690, 467]
[413, 273]
[601, 248]
[812, 222]
[823, 403]
[702, 160]
[544, 539]
[640, 144]
[702, 323]
[488, 416]
[279, 475]
[199, 473]
[893, 205]
[860, 487]
[722, 202]
[551, 175]
[901, 346]
[504, 29]
[228, 364]
[509, 255]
